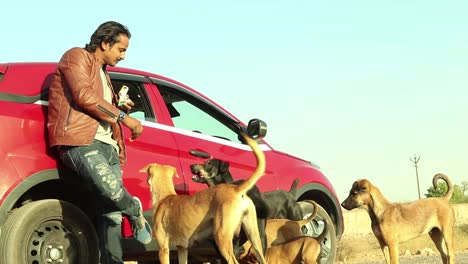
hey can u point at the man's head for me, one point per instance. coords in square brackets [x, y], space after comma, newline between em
[109, 42]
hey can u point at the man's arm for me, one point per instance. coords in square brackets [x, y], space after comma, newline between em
[74, 66]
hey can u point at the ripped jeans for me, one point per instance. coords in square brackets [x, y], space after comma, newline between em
[99, 167]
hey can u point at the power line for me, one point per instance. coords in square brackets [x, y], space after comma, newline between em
[415, 160]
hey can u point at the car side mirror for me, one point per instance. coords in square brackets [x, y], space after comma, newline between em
[256, 129]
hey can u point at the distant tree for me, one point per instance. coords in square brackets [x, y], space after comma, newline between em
[458, 196]
[458, 193]
[440, 191]
[464, 186]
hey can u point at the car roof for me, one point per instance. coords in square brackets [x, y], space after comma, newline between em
[30, 76]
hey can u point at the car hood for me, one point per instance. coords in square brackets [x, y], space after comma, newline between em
[298, 158]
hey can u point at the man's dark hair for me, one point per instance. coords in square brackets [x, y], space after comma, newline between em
[107, 32]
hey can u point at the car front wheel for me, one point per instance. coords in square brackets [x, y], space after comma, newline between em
[316, 227]
[48, 231]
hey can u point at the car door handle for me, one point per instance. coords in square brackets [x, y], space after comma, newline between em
[199, 154]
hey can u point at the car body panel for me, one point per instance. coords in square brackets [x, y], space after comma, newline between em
[24, 143]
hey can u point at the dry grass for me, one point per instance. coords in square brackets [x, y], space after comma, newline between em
[367, 247]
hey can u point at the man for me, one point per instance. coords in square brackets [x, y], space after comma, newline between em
[84, 124]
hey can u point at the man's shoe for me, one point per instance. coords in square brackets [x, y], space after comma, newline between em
[140, 227]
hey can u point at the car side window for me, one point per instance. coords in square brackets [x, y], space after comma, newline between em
[190, 113]
[136, 93]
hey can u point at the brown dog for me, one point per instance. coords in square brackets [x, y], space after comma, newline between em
[393, 223]
[299, 250]
[279, 231]
[219, 212]
[303, 249]
[278, 204]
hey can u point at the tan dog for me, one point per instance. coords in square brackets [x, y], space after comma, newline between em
[282, 238]
[281, 230]
[303, 249]
[393, 223]
[299, 250]
[219, 212]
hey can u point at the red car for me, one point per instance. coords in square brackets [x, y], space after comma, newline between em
[45, 213]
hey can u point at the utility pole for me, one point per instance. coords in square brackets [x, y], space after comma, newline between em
[415, 160]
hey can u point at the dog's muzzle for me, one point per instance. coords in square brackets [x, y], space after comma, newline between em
[197, 173]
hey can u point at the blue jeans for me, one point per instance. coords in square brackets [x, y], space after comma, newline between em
[98, 166]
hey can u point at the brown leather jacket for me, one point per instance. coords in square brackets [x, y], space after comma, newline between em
[76, 102]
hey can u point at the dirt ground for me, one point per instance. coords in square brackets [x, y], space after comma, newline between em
[365, 248]
[358, 249]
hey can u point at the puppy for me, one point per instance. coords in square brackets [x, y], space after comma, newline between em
[217, 212]
[393, 223]
[299, 250]
[303, 249]
[291, 245]
[279, 231]
[280, 203]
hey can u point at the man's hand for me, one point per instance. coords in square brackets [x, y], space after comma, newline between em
[134, 125]
[127, 105]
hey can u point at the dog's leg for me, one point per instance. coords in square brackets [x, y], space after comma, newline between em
[393, 251]
[261, 230]
[250, 226]
[448, 238]
[225, 247]
[441, 244]
[450, 252]
[163, 244]
[385, 252]
[382, 243]
[310, 252]
[164, 255]
[182, 254]
[224, 234]
[388, 241]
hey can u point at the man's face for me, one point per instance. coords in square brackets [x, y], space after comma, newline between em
[112, 55]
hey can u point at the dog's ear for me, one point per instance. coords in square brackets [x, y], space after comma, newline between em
[364, 186]
[355, 185]
[223, 166]
[359, 186]
[145, 169]
[174, 173]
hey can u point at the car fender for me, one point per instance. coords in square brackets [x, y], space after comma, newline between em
[12, 198]
[322, 195]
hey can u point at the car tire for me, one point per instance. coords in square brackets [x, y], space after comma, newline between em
[48, 231]
[316, 227]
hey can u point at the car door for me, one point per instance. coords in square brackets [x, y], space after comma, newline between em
[155, 145]
[203, 130]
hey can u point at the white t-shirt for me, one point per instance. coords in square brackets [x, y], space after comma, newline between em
[104, 132]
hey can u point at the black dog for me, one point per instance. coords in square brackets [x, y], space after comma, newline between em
[209, 173]
[281, 204]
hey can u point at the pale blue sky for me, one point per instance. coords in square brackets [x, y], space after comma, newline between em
[357, 87]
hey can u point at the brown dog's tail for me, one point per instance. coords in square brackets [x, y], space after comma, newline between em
[321, 237]
[447, 180]
[303, 222]
[259, 171]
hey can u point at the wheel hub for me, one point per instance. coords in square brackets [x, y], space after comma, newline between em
[48, 244]
[54, 254]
